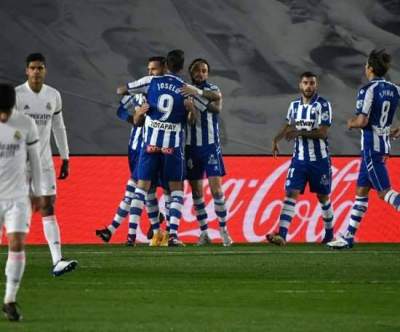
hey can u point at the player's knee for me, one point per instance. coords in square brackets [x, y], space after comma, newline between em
[16, 243]
[47, 209]
[292, 194]
[217, 193]
[382, 194]
[323, 198]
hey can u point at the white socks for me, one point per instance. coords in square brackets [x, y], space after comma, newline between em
[52, 234]
[14, 271]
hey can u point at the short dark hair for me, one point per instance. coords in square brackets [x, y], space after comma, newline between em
[379, 61]
[307, 74]
[196, 62]
[7, 97]
[35, 57]
[175, 60]
[160, 59]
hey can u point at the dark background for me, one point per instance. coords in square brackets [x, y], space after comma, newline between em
[256, 49]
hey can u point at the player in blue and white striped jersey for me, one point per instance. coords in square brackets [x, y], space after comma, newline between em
[128, 103]
[203, 149]
[308, 120]
[376, 105]
[164, 126]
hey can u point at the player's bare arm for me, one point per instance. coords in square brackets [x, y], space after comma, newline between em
[395, 133]
[140, 113]
[192, 112]
[215, 106]
[321, 132]
[281, 134]
[359, 121]
[122, 90]
[190, 90]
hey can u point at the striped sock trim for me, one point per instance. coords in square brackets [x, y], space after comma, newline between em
[220, 211]
[200, 211]
[175, 211]
[393, 198]
[327, 214]
[358, 210]
[287, 214]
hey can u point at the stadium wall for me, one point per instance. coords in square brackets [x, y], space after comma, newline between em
[253, 188]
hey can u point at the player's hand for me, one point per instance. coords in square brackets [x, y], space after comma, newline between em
[349, 124]
[143, 109]
[395, 133]
[275, 149]
[291, 134]
[189, 104]
[64, 170]
[122, 90]
[190, 90]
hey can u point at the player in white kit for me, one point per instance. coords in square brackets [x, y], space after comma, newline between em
[43, 104]
[19, 141]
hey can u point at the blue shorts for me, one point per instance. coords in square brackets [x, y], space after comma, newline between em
[133, 159]
[373, 171]
[318, 175]
[202, 160]
[161, 167]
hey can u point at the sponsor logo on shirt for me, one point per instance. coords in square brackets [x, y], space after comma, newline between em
[166, 126]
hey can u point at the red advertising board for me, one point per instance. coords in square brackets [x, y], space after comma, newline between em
[254, 188]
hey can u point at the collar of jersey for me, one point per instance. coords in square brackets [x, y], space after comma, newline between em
[313, 99]
[202, 85]
[375, 79]
[175, 76]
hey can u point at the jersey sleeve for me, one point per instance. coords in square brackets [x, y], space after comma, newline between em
[139, 86]
[364, 101]
[58, 103]
[289, 116]
[325, 118]
[200, 103]
[213, 88]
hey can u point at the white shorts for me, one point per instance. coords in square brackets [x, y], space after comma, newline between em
[49, 186]
[15, 214]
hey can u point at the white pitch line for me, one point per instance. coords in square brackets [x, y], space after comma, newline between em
[152, 252]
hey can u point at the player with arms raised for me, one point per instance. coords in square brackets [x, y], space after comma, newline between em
[376, 105]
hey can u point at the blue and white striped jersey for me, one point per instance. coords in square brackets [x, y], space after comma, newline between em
[206, 129]
[378, 100]
[166, 119]
[308, 117]
[125, 111]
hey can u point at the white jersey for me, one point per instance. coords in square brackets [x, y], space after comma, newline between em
[16, 137]
[45, 108]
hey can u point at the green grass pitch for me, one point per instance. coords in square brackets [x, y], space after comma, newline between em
[241, 288]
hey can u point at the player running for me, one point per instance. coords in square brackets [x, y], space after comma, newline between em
[376, 105]
[308, 120]
[19, 141]
[203, 149]
[43, 104]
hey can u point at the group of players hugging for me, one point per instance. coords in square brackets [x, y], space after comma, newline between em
[175, 136]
